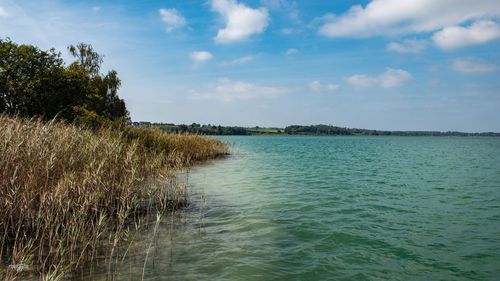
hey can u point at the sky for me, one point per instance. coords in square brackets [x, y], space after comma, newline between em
[379, 64]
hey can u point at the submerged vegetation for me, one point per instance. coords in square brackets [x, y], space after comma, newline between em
[75, 176]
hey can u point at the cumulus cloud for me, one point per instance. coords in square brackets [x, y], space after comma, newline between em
[3, 12]
[318, 87]
[241, 21]
[241, 60]
[172, 19]
[361, 80]
[455, 37]
[392, 17]
[393, 78]
[315, 85]
[291, 52]
[230, 90]
[389, 79]
[199, 57]
[407, 46]
[332, 87]
[472, 65]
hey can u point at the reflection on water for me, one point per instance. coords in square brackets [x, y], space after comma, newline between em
[315, 208]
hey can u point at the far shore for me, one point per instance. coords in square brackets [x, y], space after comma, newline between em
[299, 130]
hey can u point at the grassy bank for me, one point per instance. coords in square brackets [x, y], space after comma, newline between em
[68, 194]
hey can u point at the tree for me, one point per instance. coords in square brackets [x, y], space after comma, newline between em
[86, 57]
[27, 77]
[37, 83]
[103, 90]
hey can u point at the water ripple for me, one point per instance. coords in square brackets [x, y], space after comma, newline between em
[338, 208]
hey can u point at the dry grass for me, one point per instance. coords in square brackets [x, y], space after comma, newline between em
[64, 190]
[189, 148]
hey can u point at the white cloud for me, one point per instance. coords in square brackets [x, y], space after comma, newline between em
[241, 21]
[3, 13]
[394, 77]
[472, 65]
[200, 56]
[412, 46]
[229, 90]
[315, 86]
[455, 37]
[391, 17]
[243, 59]
[318, 87]
[332, 87]
[389, 79]
[96, 9]
[360, 80]
[291, 52]
[172, 19]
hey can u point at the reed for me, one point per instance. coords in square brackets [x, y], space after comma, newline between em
[187, 147]
[65, 190]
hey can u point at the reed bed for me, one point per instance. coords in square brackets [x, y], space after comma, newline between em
[188, 147]
[69, 194]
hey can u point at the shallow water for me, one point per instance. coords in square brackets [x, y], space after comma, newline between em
[337, 208]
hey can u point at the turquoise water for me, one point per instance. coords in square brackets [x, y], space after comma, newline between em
[337, 208]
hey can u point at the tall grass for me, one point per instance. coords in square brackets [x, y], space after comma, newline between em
[187, 147]
[64, 190]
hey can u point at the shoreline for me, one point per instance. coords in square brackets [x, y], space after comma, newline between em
[70, 193]
[313, 130]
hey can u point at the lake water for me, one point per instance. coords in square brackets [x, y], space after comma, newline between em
[335, 208]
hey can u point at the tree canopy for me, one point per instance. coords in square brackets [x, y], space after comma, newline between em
[34, 82]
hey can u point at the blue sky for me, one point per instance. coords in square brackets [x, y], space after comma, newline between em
[380, 64]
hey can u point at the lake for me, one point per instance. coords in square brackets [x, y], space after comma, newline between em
[335, 208]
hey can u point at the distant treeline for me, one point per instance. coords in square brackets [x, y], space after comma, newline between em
[318, 130]
[196, 128]
[334, 130]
